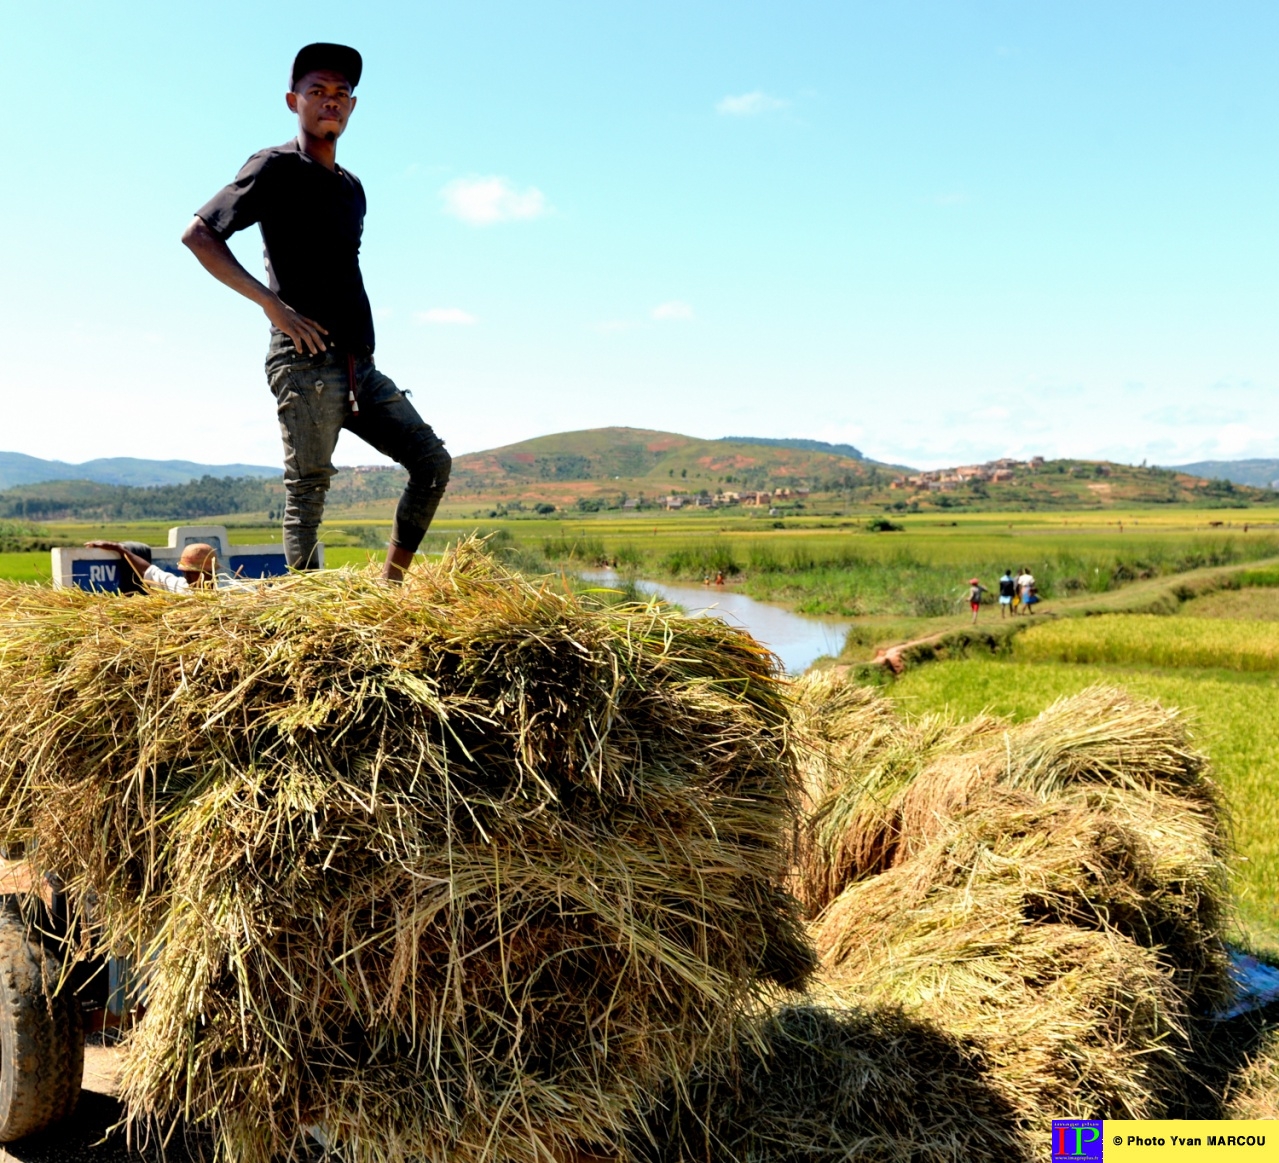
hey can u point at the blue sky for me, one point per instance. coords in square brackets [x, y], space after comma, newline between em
[943, 231]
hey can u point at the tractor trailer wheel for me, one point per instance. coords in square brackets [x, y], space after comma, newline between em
[41, 1036]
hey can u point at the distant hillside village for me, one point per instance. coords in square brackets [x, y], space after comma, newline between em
[1001, 471]
[943, 480]
[707, 500]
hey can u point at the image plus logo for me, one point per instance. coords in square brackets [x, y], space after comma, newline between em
[1078, 1140]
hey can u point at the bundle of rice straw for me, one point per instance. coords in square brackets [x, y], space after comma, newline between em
[825, 1083]
[1014, 924]
[974, 934]
[460, 871]
[857, 755]
[875, 793]
[1253, 1093]
[1054, 892]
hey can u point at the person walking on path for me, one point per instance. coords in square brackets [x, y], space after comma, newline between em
[1007, 588]
[319, 362]
[975, 591]
[1026, 590]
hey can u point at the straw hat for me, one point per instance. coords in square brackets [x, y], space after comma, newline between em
[198, 556]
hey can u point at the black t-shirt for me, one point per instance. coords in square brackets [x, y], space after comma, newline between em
[311, 219]
[1007, 587]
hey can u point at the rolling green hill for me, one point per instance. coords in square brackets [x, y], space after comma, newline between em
[601, 466]
[615, 468]
[641, 456]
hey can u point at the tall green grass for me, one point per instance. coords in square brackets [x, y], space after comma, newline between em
[920, 573]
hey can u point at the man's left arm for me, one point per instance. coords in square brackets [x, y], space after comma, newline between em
[139, 565]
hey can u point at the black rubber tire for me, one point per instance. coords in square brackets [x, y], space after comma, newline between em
[41, 1036]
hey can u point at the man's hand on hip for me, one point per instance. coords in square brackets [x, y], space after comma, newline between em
[216, 258]
[307, 334]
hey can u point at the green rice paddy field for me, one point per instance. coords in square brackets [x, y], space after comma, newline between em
[827, 566]
[917, 571]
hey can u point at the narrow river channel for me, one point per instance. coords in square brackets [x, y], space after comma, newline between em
[797, 639]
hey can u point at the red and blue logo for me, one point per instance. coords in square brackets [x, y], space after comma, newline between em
[1077, 1140]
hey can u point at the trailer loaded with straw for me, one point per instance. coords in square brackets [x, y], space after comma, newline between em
[480, 870]
[463, 870]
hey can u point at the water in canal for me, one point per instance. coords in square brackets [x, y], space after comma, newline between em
[797, 639]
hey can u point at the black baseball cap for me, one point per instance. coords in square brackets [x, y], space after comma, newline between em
[338, 58]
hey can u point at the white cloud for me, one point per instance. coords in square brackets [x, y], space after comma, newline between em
[673, 310]
[446, 316]
[1233, 440]
[749, 104]
[1195, 416]
[483, 201]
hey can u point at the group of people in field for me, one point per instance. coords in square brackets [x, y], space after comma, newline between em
[1017, 595]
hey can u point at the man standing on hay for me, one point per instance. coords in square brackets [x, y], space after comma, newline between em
[320, 360]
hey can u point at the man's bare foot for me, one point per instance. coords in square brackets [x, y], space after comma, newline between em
[397, 561]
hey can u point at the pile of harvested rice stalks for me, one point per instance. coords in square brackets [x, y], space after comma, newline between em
[1015, 923]
[833, 1085]
[1254, 1091]
[878, 785]
[1053, 893]
[460, 871]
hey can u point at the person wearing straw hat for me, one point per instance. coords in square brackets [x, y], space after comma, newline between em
[319, 362]
[975, 591]
[197, 566]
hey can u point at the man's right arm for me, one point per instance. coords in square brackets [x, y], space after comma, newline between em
[216, 258]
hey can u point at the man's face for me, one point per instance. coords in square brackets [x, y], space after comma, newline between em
[323, 102]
